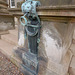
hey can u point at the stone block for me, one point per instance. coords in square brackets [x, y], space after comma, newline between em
[6, 22]
[72, 67]
[60, 68]
[73, 48]
[47, 66]
[55, 39]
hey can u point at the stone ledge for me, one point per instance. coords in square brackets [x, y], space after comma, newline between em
[57, 7]
[50, 13]
[3, 2]
[6, 14]
[3, 32]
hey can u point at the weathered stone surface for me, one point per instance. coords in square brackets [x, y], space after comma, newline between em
[57, 2]
[54, 68]
[47, 66]
[72, 66]
[73, 48]
[55, 39]
[6, 19]
[6, 22]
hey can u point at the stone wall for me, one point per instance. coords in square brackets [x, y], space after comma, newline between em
[6, 18]
[54, 48]
[56, 38]
[6, 22]
[57, 2]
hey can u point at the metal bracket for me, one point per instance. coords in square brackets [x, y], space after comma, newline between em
[31, 23]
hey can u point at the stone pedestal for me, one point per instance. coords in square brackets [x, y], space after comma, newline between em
[55, 40]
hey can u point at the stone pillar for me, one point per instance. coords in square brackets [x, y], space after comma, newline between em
[6, 18]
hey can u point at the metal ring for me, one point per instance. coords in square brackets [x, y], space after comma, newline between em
[23, 17]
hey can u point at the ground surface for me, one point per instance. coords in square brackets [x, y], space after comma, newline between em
[7, 67]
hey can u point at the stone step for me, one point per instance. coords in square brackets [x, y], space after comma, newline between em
[3, 6]
[14, 32]
[6, 47]
[3, 2]
[3, 32]
[4, 11]
[12, 39]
